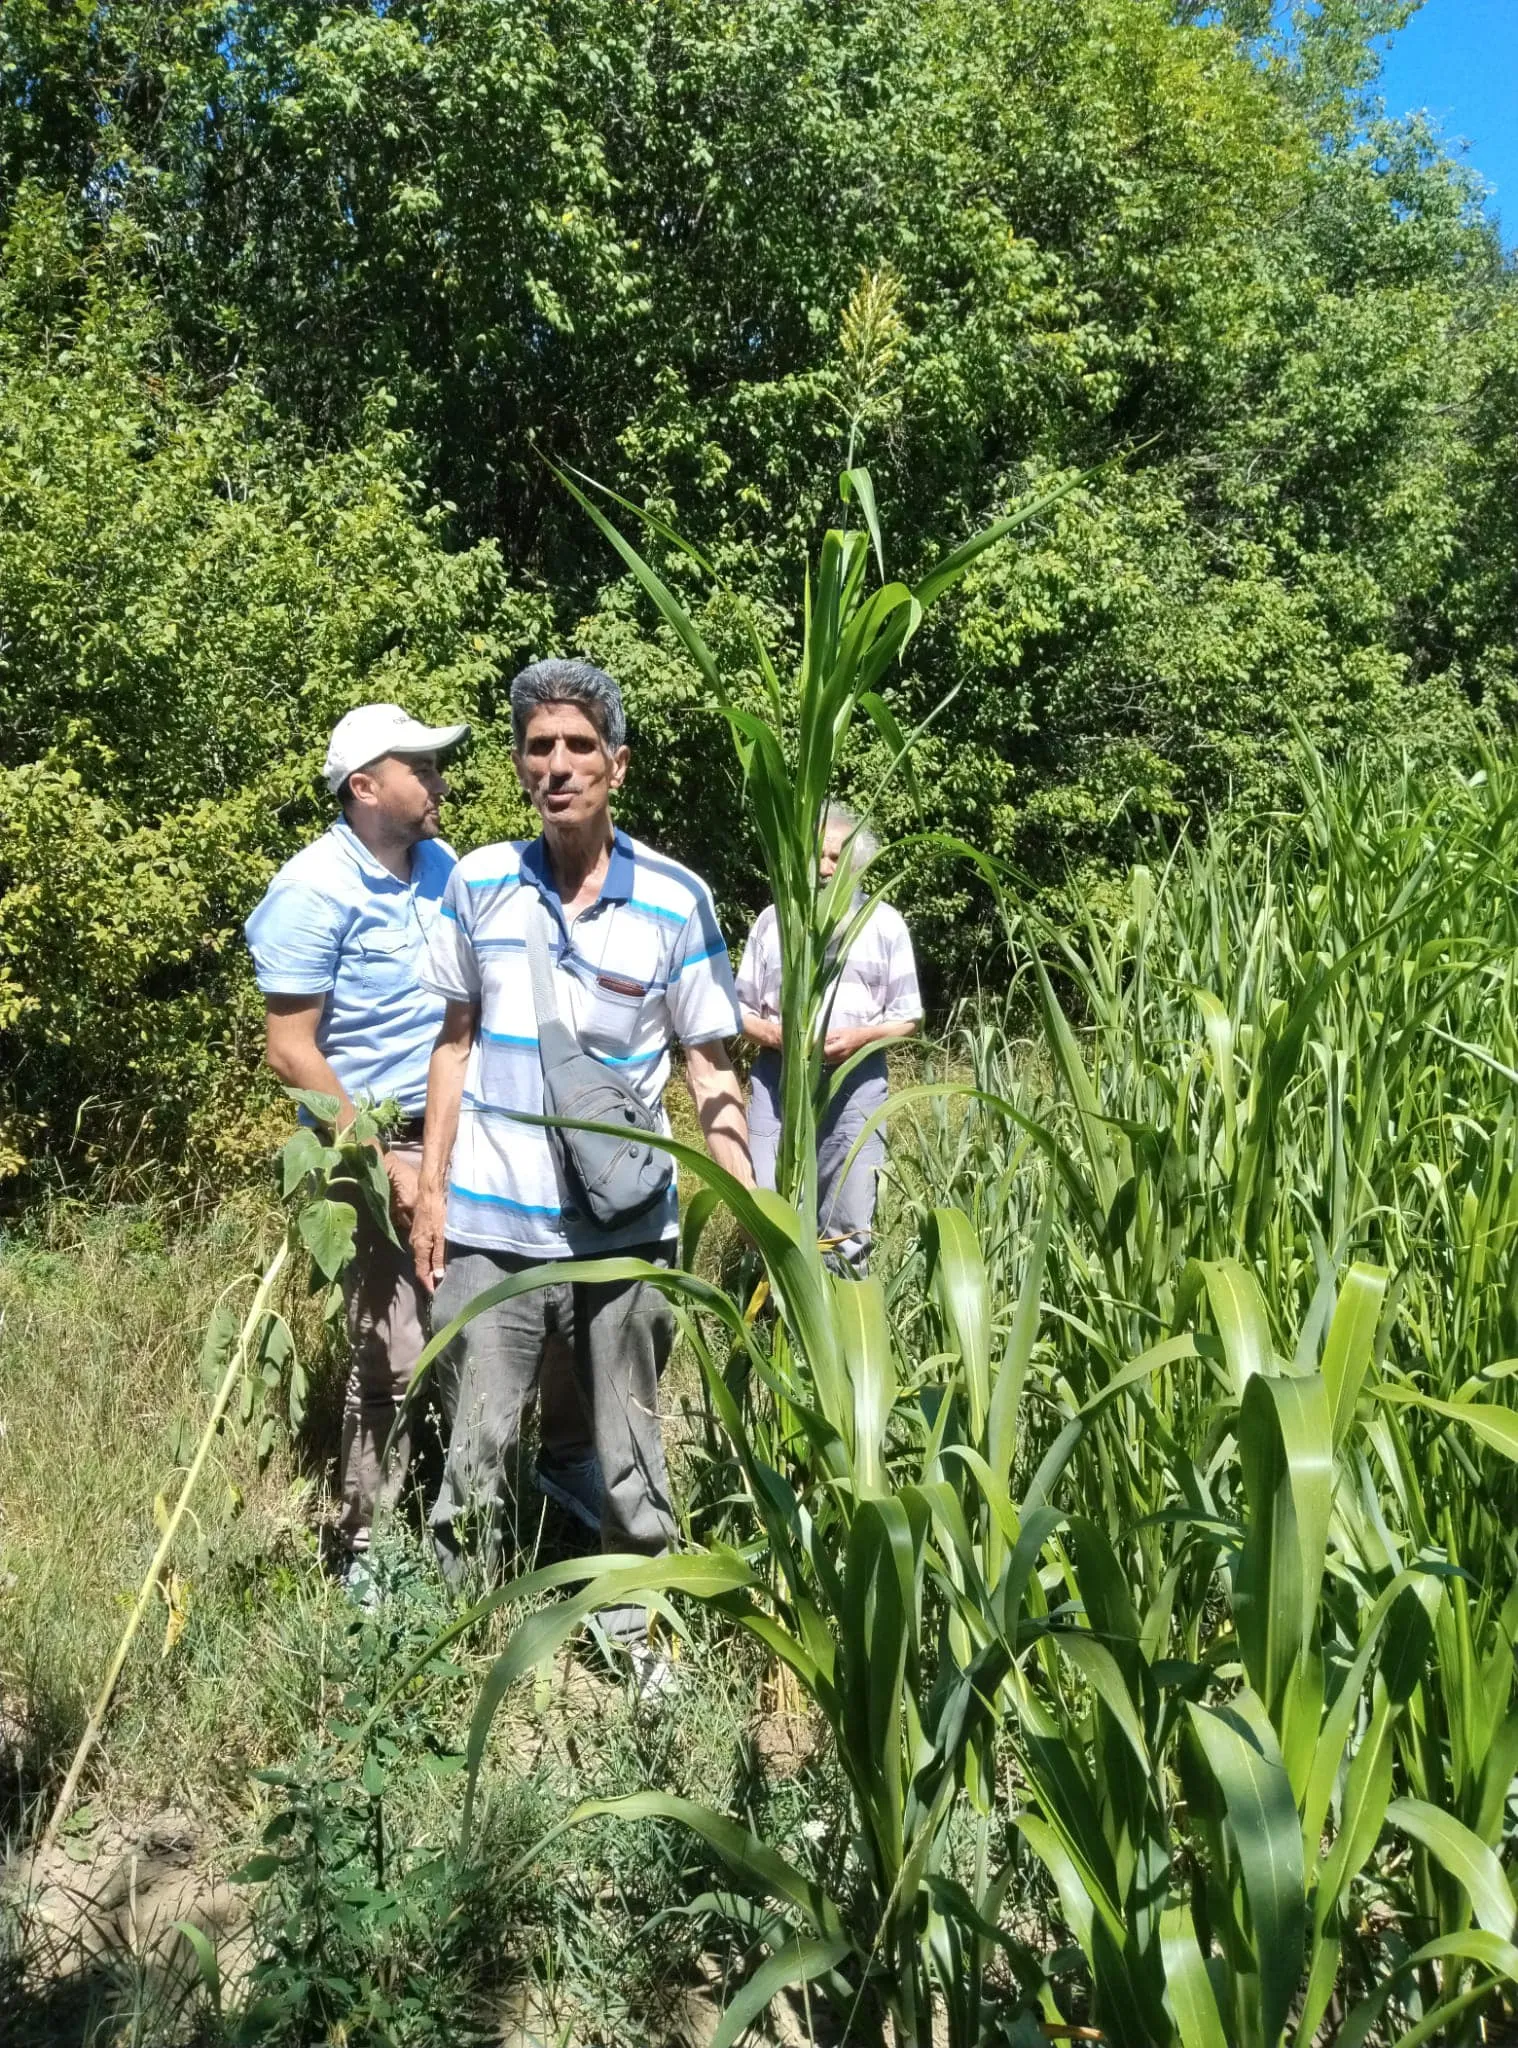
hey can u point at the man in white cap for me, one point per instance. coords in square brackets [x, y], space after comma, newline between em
[338, 946]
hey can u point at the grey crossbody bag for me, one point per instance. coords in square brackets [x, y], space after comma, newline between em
[613, 1180]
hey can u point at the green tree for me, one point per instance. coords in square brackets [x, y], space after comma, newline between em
[695, 251]
[188, 599]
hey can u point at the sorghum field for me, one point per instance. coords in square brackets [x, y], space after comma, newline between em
[1097, 1624]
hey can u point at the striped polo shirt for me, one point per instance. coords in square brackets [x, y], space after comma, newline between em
[643, 966]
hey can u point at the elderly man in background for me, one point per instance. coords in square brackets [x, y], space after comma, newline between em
[338, 944]
[636, 963]
[874, 1000]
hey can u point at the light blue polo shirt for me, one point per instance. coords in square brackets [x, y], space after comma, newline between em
[642, 967]
[336, 922]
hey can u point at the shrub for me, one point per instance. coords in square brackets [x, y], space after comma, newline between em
[189, 598]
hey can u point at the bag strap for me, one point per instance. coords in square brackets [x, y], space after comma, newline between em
[556, 1035]
[543, 999]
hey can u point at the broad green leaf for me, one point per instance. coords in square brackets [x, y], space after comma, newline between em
[743, 1852]
[364, 1168]
[1287, 1457]
[1238, 1311]
[1367, 1792]
[276, 1347]
[1246, 1765]
[673, 612]
[1350, 1344]
[963, 1291]
[1218, 1026]
[698, 1212]
[900, 744]
[1338, 1721]
[869, 1360]
[1138, 1370]
[1474, 1945]
[305, 1153]
[216, 1350]
[1006, 1396]
[325, 1108]
[1102, 1152]
[1496, 1427]
[206, 1962]
[1101, 1671]
[1077, 1895]
[855, 485]
[611, 1581]
[1188, 1989]
[1467, 1859]
[799, 1962]
[327, 1231]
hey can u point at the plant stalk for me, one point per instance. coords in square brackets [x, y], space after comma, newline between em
[228, 1387]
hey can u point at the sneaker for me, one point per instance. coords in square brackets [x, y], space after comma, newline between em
[654, 1674]
[575, 1485]
[360, 1583]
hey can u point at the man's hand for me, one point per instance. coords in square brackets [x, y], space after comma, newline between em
[427, 1234]
[445, 1091]
[761, 1031]
[403, 1185]
[844, 1043]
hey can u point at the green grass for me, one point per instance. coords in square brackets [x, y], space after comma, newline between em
[102, 1321]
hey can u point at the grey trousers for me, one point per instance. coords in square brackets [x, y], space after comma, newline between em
[845, 1207]
[387, 1329]
[620, 1335]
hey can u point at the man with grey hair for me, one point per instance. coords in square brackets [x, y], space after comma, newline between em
[638, 964]
[874, 1000]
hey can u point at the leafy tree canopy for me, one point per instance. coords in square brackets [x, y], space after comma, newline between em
[295, 297]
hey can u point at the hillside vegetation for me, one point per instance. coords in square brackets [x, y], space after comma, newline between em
[295, 297]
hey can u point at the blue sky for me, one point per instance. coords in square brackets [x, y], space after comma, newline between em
[1459, 59]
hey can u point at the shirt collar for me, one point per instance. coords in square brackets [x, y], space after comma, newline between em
[617, 887]
[345, 836]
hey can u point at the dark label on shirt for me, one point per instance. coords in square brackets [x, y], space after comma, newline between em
[619, 986]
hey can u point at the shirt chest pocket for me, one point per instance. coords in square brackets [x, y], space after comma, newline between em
[611, 1010]
[385, 961]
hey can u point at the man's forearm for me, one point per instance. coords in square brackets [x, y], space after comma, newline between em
[884, 1034]
[445, 1095]
[305, 1066]
[724, 1125]
[761, 1031]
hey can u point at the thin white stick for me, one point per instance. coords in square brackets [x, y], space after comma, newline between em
[228, 1387]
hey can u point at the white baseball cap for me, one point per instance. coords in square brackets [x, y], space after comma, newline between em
[361, 736]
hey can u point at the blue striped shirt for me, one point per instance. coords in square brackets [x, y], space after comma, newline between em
[643, 966]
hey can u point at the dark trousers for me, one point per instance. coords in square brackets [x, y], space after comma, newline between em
[620, 1335]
